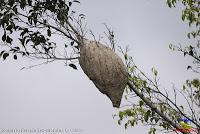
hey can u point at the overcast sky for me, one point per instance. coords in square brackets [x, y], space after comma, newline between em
[56, 96]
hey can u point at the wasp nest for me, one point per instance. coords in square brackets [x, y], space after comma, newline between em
[105, 68]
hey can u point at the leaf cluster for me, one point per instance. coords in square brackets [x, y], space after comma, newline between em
[28, 28]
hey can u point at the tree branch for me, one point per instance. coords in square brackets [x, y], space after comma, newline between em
[57, 29]
[151, 105]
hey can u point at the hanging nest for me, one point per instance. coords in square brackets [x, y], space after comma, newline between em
[104, 68]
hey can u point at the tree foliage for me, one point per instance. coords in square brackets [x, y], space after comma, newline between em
[27, 28]
[160, 108]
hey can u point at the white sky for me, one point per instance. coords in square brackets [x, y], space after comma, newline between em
[56, 96]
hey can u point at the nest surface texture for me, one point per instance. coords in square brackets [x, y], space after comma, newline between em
[105, 69]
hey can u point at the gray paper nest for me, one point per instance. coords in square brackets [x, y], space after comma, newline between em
[104, 68]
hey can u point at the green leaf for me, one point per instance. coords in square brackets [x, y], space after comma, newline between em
[132, 122]
[191, 53]
[70, 3]
[15, 57]
[2, 53]
[4, 37]
[129, 112]
[189, 67]
[9, 40]
[119, 122]
[154, 71]
[141, 103]
[15, 9]
[196, 83]
[184, 88]
[126, 125]
[125, 56]
[188, 35]
[170, 46]
[5, 55]
[73, 66]
[9, 27]
[121, 114]
[22, 41]
[146, 115]
[27, 41]
[49, 32]
[35, 20]
[169, 3]
[152, 131]
[183, 17]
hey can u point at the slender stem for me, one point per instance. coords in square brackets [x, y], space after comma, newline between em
[158, 91]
